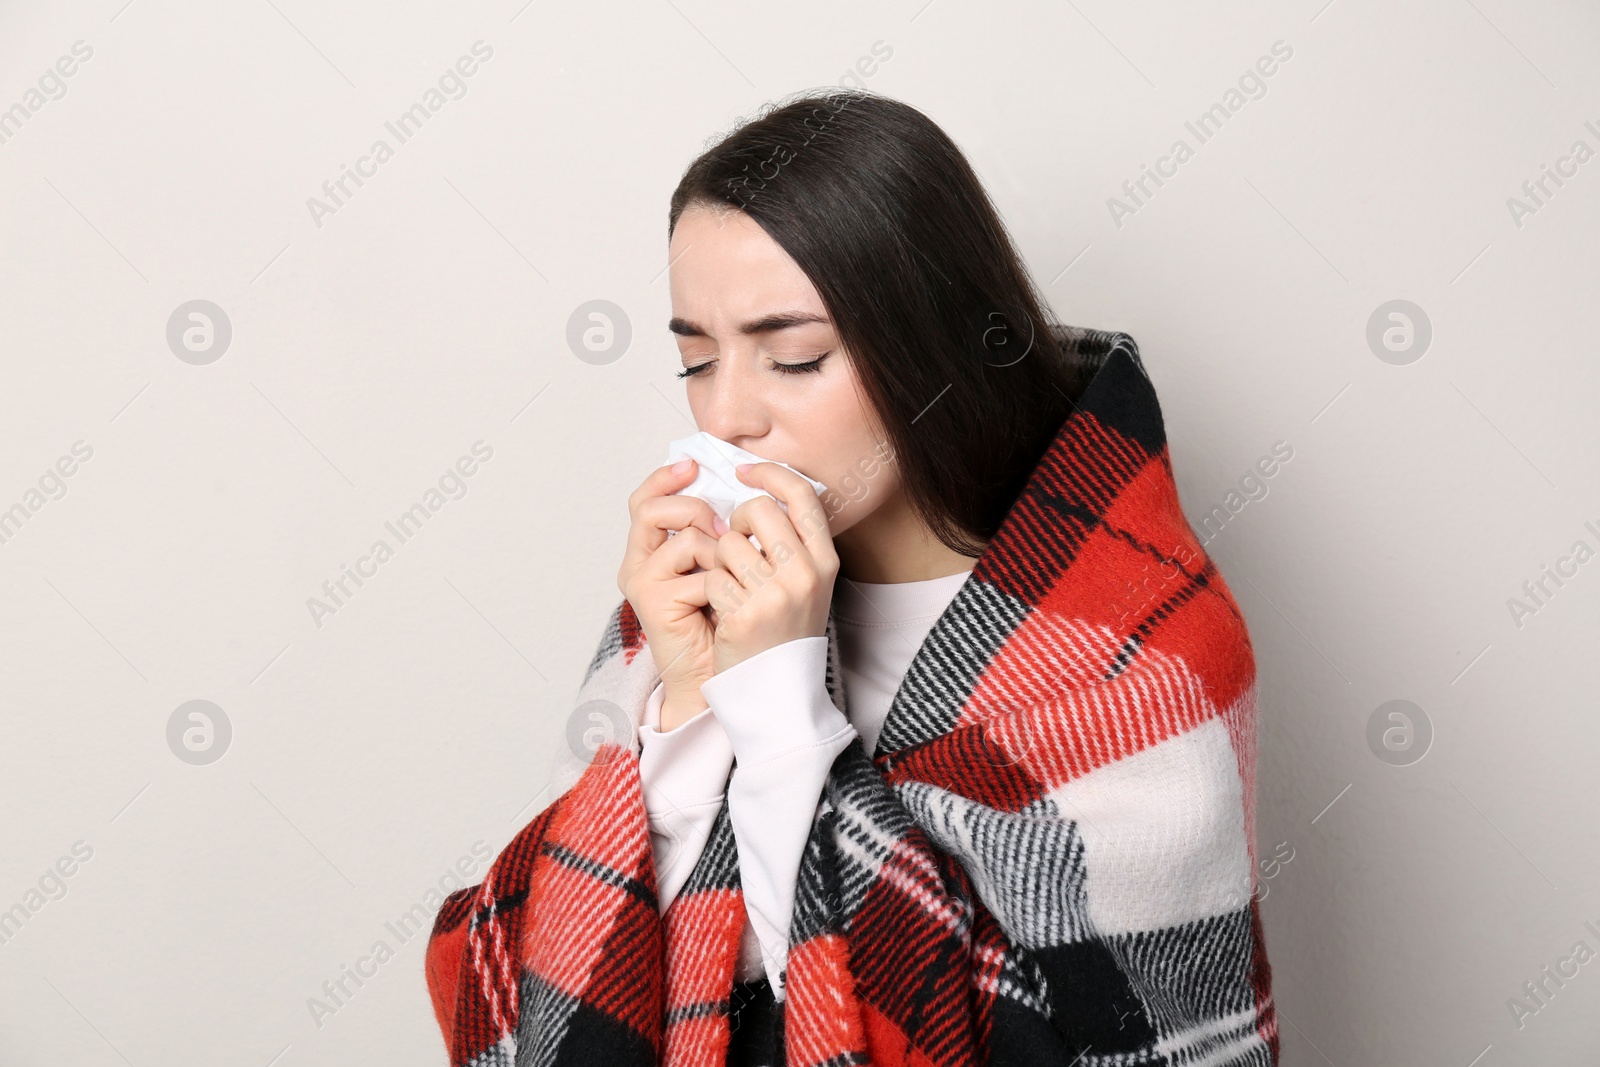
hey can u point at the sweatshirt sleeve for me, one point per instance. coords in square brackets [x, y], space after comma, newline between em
[684, 773]
[785, 732]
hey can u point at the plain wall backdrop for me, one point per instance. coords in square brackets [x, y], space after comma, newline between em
[1396, 153]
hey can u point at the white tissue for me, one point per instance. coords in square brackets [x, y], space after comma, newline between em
[716, 482]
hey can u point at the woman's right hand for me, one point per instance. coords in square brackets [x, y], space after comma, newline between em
[655, 578]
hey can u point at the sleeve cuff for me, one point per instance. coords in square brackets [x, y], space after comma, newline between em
[776, 701]
[684, 773]
[685, 766]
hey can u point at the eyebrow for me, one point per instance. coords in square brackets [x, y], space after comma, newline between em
[782, 320]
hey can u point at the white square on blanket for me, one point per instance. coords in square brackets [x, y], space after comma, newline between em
[1163, 833]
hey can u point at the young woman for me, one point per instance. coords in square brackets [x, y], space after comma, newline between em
[958, 765]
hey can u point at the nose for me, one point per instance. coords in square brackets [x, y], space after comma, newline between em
[733, 409]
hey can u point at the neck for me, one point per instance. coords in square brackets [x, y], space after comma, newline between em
[894, 545]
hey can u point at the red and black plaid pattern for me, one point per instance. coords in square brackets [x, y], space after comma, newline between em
[1048, 860]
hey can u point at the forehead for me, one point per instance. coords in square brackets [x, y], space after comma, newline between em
[723, 264]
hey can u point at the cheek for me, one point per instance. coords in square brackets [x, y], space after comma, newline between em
[860, 467]
[838, 419]
[862, 479]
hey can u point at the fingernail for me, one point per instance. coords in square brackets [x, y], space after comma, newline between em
[718, 525]
[682, 465]
[743, 467]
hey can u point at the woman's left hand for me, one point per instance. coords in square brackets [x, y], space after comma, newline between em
[781, 592]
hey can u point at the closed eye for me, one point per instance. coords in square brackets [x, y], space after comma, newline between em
[782, 368]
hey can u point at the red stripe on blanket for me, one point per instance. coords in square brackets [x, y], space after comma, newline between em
[587, 935]
[1077, 479]
[442, 967]
[911, 955]
[1121, 633]
[465, 972]
[823, 1019]
[632, 632]
[701, 1041]
[890, 1048]
[703, 929]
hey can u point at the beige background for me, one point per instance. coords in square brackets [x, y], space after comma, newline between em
[369, 353]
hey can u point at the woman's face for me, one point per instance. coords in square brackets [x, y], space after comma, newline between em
[751, 329]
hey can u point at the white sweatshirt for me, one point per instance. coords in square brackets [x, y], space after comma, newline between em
[774, 712]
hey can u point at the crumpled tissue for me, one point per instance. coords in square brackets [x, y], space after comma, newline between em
[716, 482]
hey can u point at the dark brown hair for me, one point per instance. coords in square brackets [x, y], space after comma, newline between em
[945, 329]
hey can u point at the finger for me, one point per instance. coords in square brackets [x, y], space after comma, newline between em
[763, 517]
[680, 555]
[664, 484]
[688, 590]
[724, 594]
[659, 514]
[806, 513]
[661, 482]
[739, 570]
[657, 507]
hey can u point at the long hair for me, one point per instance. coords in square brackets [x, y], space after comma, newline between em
[967, 375]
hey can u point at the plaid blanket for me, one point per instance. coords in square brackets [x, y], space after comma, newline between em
[1047, 860]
